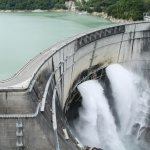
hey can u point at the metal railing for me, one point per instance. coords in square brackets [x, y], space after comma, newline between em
[8, 116]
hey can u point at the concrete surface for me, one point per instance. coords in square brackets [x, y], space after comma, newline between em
[71, 61]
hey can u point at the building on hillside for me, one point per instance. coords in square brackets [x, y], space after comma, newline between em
[146, 16]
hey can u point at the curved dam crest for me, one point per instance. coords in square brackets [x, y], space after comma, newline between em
[36, 104]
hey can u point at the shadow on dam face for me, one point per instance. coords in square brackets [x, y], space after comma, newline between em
[37, 106]
[74, 97]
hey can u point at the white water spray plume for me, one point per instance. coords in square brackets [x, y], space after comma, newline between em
[95, 125]
[124, 92]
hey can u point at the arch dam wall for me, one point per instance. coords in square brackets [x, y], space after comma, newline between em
[34, 103]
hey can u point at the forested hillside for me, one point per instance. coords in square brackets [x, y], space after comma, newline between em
[31, 4]
[94, 5]
[129, 9]
[122, 9]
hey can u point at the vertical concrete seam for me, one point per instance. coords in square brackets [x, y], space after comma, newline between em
[34, 90]
[133, 39]
[92, 58]
[54, 118]
[75, 49]
[120, 47]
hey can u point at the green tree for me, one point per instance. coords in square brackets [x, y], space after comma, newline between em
[127, 9]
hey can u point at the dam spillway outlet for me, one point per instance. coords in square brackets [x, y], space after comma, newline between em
[46, 100]
[111, 111]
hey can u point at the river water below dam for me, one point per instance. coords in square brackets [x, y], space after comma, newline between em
[24, 35]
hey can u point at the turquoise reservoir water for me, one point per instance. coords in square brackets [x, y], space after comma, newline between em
[24, 35]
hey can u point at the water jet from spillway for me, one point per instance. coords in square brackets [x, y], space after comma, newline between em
[96, 124]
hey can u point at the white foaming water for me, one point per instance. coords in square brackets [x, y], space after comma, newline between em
[130, 96]
[95, 125]
[124, 93]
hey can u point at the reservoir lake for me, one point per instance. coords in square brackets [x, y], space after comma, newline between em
[24, 35]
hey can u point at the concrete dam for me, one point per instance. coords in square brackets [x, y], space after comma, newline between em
[40, 100]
